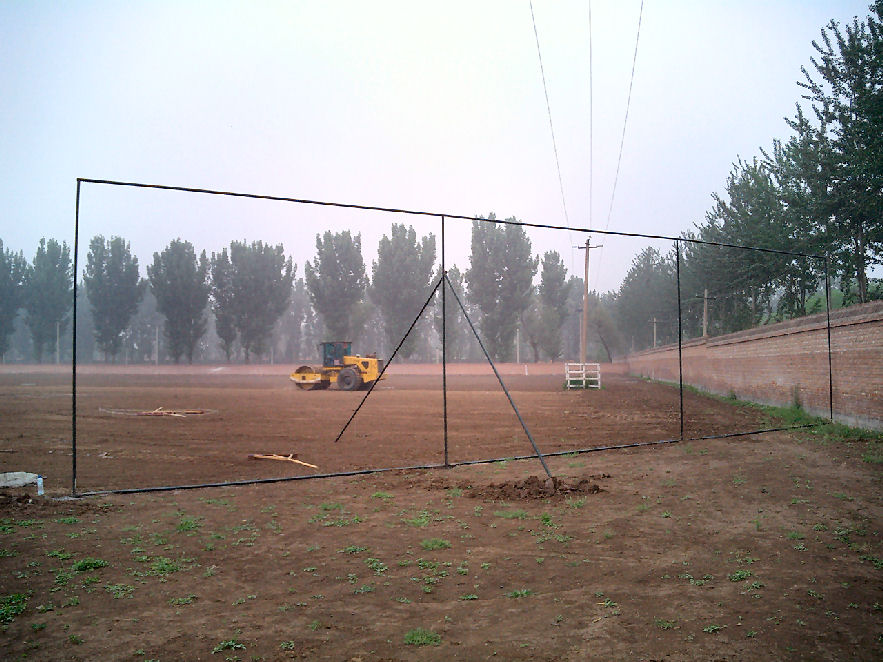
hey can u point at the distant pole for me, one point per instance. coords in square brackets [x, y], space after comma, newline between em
[584, 335]
[518, 344]
[705, 314]
[57, 343]
[156, 345]
[584, 339]
[654, 332]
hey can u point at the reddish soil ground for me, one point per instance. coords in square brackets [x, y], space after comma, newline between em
[758, 547]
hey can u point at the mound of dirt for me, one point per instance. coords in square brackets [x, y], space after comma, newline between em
[534, 487]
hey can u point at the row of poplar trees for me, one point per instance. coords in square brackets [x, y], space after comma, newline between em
[248, 295]
[818, 192]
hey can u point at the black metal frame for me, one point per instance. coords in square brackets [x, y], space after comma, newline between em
[441, 283]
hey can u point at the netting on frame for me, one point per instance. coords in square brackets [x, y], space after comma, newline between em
[467, 383]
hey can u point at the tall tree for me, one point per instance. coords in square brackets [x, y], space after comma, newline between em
[48, 286]
[553, 293]
[260, 286]
[114, 288]
[456, 332]
[13, 269]
[400, 282]
[846, 91]
[222, 301]
[293, 322]
[646, 298]
[180, 283]
[500, 280]
[336, 281]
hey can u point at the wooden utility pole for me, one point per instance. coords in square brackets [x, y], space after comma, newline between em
[584, 335]
[705, 313]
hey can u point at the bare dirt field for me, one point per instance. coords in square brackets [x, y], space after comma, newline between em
[741, 548]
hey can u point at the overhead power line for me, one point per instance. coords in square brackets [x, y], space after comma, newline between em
[549, 111]
[626, 119]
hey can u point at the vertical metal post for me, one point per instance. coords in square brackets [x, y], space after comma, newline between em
[828, 325]
[74, 350]
[444, 340]
[680, 334]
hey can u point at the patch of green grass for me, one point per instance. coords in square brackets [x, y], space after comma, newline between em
[67, 520]
[664, 624]
[422, 637]
[519, 593]
[229, 645]
[189, 524]
[382, 495]
[119, 591]
[739, 575]
[378, 566]
[364, 588]
[435, 543]
[419, 520]
[11, 606]
[75, 639]
[469, 596]
[352, 549]
[713, 628]
[59, 554]
[511, 514]
[84, 565]
[186, 600]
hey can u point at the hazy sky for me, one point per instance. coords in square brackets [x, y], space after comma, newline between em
[436, 106]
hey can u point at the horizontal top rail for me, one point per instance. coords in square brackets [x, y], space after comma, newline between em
[413, 212]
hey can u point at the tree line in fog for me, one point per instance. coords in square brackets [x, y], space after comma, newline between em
[248, 302]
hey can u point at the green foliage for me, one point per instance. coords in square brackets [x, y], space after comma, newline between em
[250, 290]
[11, 606]
[554, 290]
[400, 282]
[229, 645]
[223, 301]
[48, 284]
[336, 282]
[647, 293]
[114, 289]
[422, 637]
[435, 543]
[89, 563]
[517, 513]
[180, 283]
[500, 281]
[456, 330]
[13, 271]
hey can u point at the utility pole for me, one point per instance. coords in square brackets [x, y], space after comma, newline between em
[654, 333]
[584, 335]
[705, 313]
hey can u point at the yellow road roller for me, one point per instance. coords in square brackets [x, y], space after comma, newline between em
[339, 365]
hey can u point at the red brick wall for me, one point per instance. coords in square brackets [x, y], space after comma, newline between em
[778, 363]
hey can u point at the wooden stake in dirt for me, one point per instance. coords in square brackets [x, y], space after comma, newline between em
[284, 458]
